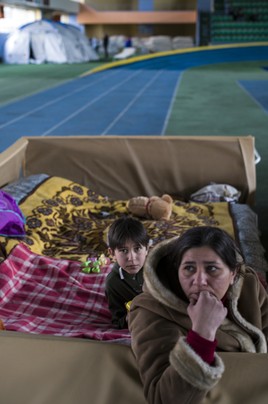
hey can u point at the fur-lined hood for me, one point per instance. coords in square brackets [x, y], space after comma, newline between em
[163, 285]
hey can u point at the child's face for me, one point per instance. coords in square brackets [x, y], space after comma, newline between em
[130, 257]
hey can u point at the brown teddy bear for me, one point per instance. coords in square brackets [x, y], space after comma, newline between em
[155, 207]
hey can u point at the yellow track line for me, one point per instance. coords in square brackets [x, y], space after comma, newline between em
[168, 53]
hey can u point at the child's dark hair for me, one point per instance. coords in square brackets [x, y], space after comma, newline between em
[124, 229]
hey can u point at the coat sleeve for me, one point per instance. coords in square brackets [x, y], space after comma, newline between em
[117, 309]
[263, 299]
[168, 366]
[116, 303]
[255, 313]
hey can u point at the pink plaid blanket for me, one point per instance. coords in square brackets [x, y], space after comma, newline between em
[42, 295]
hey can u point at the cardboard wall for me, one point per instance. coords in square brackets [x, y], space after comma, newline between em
[123, 167]
[38, 369]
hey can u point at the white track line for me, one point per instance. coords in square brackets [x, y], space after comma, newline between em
[78, 111]
[45, 105]
[171, 104]
[130, 103]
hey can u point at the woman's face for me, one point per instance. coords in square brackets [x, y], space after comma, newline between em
[201, 269]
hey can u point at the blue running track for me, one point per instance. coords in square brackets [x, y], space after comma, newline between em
[135, 98]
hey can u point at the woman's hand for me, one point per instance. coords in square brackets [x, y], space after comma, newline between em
[207, 314]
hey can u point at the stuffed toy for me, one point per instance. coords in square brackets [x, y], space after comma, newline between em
[95, 265]
[153, 208]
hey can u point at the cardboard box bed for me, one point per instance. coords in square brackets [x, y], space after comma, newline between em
[38, 369]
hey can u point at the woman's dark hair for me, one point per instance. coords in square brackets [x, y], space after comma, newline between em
[124, 229]
[205, 236]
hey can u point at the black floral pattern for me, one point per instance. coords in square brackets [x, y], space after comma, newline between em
[71, 221]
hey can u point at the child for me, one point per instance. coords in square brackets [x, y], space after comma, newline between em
[128, 244]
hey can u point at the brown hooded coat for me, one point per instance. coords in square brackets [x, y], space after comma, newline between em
[159, 323]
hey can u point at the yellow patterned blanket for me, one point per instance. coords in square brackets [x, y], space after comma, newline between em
[67, 220]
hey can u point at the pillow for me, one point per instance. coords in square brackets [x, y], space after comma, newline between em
[216, 193]
[24, 186]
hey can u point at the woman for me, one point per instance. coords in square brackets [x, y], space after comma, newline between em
[198, 298]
